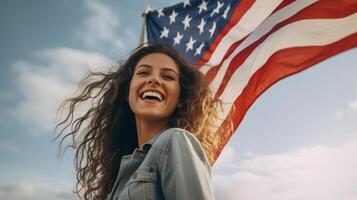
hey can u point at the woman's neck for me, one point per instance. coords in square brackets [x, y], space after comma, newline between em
[148, 129]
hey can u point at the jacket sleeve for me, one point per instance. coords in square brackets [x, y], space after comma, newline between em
[185, 170]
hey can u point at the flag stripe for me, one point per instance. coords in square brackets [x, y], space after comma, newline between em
[284, 4]
[264, 28]
[259, 11]
[286, 62]
[292, 35]
[338, 11]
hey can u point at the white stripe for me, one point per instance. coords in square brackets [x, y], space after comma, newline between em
[263, 29]
[281, 15]
[259, 11]
[317, 32]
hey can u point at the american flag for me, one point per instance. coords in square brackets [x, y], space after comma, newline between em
[244, 47]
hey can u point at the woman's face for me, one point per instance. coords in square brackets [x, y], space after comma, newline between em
[155, 87]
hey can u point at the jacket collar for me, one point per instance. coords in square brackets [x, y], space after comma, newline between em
[146, 146]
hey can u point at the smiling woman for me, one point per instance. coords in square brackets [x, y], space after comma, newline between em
[155, 88]
[149, 134]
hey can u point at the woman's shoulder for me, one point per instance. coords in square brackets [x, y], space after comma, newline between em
[176, 137]
[170, 132]
[175, 133]
[182, 146]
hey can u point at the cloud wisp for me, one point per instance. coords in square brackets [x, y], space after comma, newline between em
[350, 109]
[34, 190]
[48, 81]
[101, 26]
[45, 81]
[319, 172]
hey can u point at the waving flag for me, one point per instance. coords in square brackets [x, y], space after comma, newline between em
[244, 47]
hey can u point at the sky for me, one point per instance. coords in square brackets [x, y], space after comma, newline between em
[298, 140]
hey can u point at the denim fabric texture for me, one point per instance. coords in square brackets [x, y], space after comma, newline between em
[172, 165]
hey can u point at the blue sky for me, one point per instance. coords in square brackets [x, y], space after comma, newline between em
[298, 141]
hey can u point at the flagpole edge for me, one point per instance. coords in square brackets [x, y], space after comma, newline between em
[148, 9]
[143, 36]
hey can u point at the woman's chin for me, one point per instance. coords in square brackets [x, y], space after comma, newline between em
[151, 116]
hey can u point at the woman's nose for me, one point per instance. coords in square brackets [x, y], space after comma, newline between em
[154, 80]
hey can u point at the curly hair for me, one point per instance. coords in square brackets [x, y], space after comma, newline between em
[106, 131]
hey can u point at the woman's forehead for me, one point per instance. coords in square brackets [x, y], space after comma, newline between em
[158, 61]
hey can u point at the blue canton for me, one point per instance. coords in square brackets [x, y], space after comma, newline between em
[191, 26]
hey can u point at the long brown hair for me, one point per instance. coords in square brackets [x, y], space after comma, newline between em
[107, 130]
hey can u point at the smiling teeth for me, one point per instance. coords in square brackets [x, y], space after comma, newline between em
[154, 94]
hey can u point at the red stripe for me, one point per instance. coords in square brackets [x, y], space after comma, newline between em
[213, 71]
[238, 13]
[280, 65]
[331, 9]
[283, 4]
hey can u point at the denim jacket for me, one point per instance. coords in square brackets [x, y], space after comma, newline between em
[172, 165]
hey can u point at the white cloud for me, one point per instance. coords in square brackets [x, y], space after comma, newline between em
[71, 63]
[350, 109]
[34, 190]
[101, 26]
[226, 159]
[353, 105]
[44, 84]
[319, 172]
[339, 114]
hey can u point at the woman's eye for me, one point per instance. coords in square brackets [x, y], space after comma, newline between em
[142, 73]
[169, 77]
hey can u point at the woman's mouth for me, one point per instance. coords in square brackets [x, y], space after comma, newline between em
[152, 95]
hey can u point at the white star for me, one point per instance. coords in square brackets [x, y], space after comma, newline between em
[165, 33]
[186, 21]
[160, 13]
[201, 25]
[178, 38]
[216, 10]
[199, 49]
[226, 12]
[189, 45]
[212, 29]
[202, 6]
[173, 17]
[186, 3]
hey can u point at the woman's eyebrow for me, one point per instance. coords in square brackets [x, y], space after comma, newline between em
[143, 65]
[149, 66]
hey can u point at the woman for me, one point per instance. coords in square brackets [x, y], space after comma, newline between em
[148, 132]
